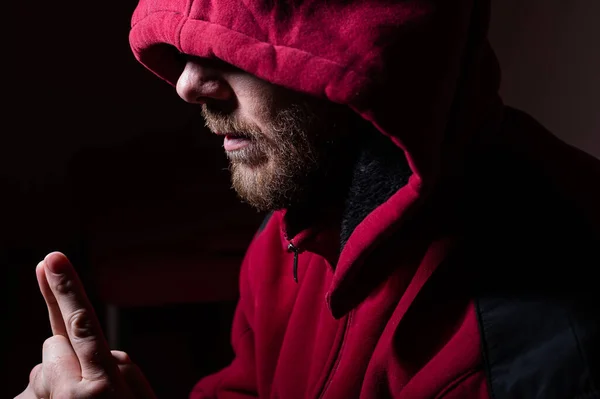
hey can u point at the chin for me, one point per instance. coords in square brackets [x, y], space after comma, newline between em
[248, 181]
[259, 187]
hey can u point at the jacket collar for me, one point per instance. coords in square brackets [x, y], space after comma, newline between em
[378, 189]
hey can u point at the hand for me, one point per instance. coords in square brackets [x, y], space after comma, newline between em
[76, 360]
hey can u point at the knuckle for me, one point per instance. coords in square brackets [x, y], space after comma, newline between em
[37, 384]
[33, 374]
[80, 324]
[48, 342]
[51, 342]
[64, 285]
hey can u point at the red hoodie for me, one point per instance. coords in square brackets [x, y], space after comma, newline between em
[423, 297]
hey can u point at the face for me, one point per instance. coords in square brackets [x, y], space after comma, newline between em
[280, 143]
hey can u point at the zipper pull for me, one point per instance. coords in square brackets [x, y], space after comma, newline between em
[291, 248]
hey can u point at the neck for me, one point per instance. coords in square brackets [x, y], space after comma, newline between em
[371, 171]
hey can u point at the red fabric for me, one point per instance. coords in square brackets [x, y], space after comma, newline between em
[422, 72]
[289, 345]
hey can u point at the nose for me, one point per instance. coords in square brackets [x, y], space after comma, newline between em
[200, 83]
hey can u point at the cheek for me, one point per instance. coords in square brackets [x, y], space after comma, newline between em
[264, 118]
[255, 115]
[257, 105]
[262, 109]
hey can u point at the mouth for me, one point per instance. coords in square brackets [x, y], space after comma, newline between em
[235, 141]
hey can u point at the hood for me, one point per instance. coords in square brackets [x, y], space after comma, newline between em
[421, 71]
[396, 63]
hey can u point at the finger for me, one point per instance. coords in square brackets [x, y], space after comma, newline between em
[81, 323]
[120, 357]
[60, 365]
[56, 320]
[36, 388]
[136, 381]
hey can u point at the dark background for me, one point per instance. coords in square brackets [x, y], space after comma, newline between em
[101, 160]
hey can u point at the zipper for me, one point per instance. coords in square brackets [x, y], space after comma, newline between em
[292, 248]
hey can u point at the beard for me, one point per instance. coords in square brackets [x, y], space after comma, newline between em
[283, 166]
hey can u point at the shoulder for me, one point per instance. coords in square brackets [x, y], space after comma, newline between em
[536, 347]
[532, 247]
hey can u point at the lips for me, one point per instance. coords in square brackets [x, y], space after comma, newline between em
[235, 141]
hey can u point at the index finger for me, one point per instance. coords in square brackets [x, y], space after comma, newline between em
[56, 321]
[82, 326]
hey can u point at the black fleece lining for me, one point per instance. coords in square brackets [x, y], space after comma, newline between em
[380, 170]
[377, 169]
[264, 222]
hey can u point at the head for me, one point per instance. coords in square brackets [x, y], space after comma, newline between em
[421, 73]
[280, 143]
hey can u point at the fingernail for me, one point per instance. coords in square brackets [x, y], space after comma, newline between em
[56, 262]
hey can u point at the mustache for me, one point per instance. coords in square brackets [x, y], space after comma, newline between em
[219, 122]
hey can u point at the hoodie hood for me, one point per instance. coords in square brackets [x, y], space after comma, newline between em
[421, 72]
[397, 64]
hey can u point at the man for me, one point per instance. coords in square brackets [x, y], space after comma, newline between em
[425, 242]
